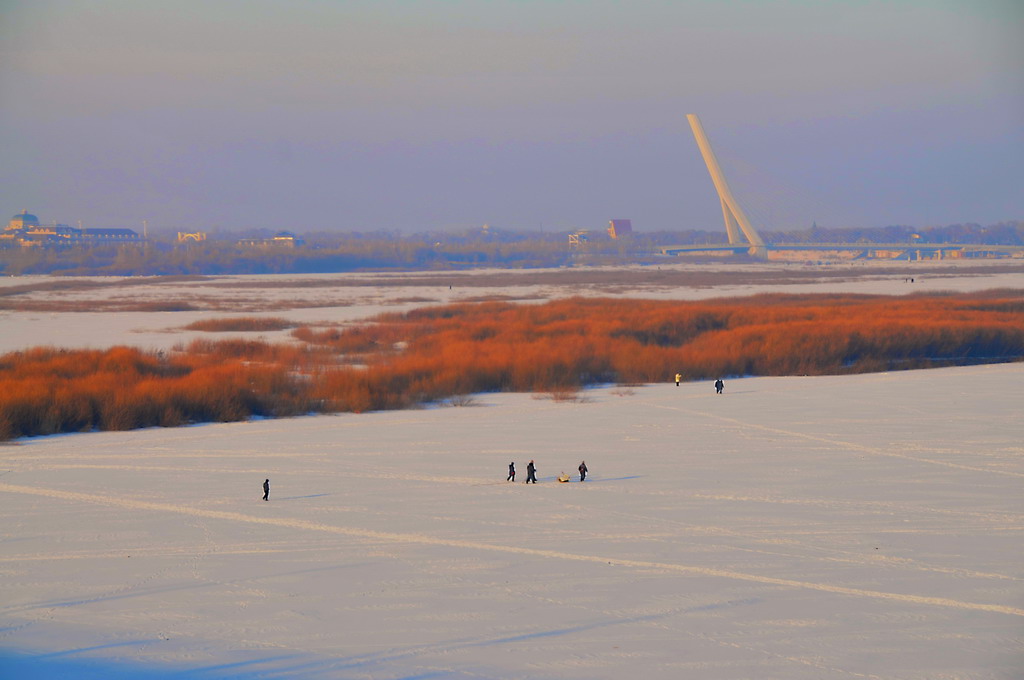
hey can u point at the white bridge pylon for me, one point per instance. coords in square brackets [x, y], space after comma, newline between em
[735, 219]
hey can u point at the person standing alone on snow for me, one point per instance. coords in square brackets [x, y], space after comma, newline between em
[531, 473]
[719, 386]
[583, 470]
[678, 378]
[511, 472]
[266, 489]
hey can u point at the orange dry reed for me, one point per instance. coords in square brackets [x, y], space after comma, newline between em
[399, 360]
[567, 343]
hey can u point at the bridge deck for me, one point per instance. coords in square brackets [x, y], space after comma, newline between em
[854, 247]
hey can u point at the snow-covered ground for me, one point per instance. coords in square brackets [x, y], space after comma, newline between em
[830, 527]
[838, 527]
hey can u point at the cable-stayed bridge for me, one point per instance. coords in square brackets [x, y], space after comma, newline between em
[744, 238]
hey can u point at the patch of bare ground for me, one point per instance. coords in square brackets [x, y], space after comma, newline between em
[563, 395]
[460, 400]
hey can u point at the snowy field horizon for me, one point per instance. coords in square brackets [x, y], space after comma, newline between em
[865, 526]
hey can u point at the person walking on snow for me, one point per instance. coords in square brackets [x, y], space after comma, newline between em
[531, 473]
[511, 472]
[266, 489]
[678, 378]
[583, 470]
[719, 386]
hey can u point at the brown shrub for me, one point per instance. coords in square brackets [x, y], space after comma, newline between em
[240, 324]
[45, 391]
[432, 354]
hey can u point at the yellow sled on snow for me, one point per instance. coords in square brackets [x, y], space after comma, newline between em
[563, 477]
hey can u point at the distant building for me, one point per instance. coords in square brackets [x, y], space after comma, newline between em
[282, 239]
[194, 236]
[619, 228]
[578, 239]
[23, 220]
[25, 229]
[116, 235]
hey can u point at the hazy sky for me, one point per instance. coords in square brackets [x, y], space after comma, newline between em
[415, 115]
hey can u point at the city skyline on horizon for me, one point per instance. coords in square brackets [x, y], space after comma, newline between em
[442, 116]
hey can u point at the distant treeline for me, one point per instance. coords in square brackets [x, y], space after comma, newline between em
[435, 354]
[326, 252]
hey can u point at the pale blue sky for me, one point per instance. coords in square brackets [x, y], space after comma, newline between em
[414, 115]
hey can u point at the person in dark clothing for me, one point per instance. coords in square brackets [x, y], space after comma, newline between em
[531, 473]
[583, 470]
[719, 386]
[266, 489]
[511, 472]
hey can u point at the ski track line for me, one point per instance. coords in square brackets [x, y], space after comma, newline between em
[837, 442]
[154, 468]
[875, 507]
[422, 539]
[433, 479]
[155, 453]
[840, 556]
[148, 553]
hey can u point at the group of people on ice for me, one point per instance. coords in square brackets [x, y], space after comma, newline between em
[719, 385]
[531, 476]
[531, 472]
[531, 468]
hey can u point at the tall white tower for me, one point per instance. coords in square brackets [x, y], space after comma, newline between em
[735, 219]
